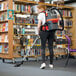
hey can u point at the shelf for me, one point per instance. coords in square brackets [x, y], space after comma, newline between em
[73, 53]
[4, 32]
[61, 44]
[61, 53]
[4, 21]
[40, 3]
[27, 45]
[3, 0]
[16, 56]
[24, 1]
[1, 11]
[60, 35]
[24, 24]
[3, 42]
[60, 6]
[67, 26]
[4, 53]
[23, 13]
[67, 16]
[26, 34]
[31, 56]
[17, 45]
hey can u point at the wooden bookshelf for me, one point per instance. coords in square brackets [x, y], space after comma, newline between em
[11, 35]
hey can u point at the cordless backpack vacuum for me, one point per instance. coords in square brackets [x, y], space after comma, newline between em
[54, 20]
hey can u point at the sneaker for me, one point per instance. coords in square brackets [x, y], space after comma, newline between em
[43, 65]
[51, 66]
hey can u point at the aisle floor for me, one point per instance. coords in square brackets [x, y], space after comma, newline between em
[31, 68]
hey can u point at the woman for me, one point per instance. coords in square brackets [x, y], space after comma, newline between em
[44, 36]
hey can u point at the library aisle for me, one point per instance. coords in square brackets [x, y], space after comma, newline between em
[19, 39]
[32, 69]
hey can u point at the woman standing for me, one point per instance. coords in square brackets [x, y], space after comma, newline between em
[44, 36]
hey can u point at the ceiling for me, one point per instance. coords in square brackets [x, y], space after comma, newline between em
[69, 1]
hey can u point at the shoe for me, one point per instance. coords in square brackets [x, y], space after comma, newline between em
[51, 66]
[43, 65]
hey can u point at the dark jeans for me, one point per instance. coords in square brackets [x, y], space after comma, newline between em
[44, 36]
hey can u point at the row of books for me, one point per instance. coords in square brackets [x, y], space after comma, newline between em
[4, 27]
[3, 16]
[25, 19]
[22, 8]
[3, 6]
[59, 50]
[23, 30]
[4, 38]
[37, 51]
[68, 22]
[4, 48]
[67, 32]
[61, 41]
[66, 13]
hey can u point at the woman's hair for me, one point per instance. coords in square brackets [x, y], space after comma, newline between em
[41, 7]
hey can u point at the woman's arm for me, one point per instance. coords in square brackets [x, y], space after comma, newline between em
[39, 25]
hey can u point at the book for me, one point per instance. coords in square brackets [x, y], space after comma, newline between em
[6, 28]
[68, 22]
[3, 27]
[2, 37]
[66, 13]
[3, 16]
[5, 48]
[3, 6]
[6, 38]
[0, 48]
[18, 8]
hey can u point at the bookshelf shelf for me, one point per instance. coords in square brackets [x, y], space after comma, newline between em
[3, 42]
[4, 21]
[16, 45]
[67, 17]
[23, 13]
[16, 56]
[3, 11]
[4, 53]
[3, 1]
[24, 1]
[24, 24]
[40, 3]
[4, 32]
[67, 26]
[31, 56]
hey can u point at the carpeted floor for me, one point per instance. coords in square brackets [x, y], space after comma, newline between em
[31, 68]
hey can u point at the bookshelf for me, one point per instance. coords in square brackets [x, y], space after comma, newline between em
[13, 47]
